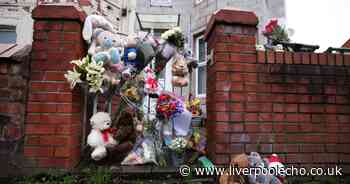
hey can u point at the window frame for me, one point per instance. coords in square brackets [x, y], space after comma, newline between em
[9, 29]
[196, 3]
[200, 95]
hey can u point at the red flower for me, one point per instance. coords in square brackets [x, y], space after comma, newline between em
[270, 26]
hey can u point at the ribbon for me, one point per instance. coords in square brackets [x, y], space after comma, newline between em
[106, 132]
[152, 83]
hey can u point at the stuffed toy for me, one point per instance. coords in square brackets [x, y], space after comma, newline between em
[101, 135]
[239, 161]
[151, 83]
[255, 161]
[179, 71]
[105, 48]
[164, 54]
[130, 57]
[91, 23]
[275, 163]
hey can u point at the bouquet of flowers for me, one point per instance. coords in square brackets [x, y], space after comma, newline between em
[178, 144]
[174, 36]
[275, 33]
[194, 106]
[86, 70]
[168, 106]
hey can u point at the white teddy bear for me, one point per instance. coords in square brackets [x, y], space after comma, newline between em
[100, 136]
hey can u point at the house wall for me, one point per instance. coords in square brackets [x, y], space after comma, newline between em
[13, 96]
[293, 104]
[18, 14]
[195, 17]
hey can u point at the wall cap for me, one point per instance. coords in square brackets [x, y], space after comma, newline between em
[231, 16]
[62, 12]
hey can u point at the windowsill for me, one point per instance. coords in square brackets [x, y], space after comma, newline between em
[201, 96]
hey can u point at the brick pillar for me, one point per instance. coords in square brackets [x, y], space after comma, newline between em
[54, 111]
[231, 38]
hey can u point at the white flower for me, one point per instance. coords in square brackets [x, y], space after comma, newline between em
[178, 144]
[94, 76]
[73, 77]
[78, 62]
[177, 29]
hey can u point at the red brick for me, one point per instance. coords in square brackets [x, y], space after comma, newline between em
[314, 58]
[39, 129]
[288, 56]
[68, 108]
[54, 36]
[237, 107]
[72, 26]
[279, 57]
[40, 107]
[278, 117]
[252, 128]
[339, 59]
[251, 117]
[236, 117]
[347, 60]
[54, 162]
[270, 57]
[66, 151]
[32, 140]
[294, 128]
[261, 57]
[72, 36]
[237, 97]
[297, 58]
[38, 151]
[222, 148]
[236, 77]
[322, 59]
[243, 58]
[331, 59]
[278, 108]
[48, 86]
[222, 76]
[71, 130]
[40, 35]
[3, 68]
[291, 108]
[305, 58]
[48, 26]
[312, 148]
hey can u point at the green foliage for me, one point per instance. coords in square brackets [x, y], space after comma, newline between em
[51, 177]
[279, 34]
[98, 175]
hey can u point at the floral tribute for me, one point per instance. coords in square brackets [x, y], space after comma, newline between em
[157, 123]
[275, 32]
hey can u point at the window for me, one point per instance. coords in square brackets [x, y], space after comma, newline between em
[201, 73]
[197, 1]
[8, 34]
[161, 3]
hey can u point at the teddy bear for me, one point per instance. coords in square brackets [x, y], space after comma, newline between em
[105, 48]
[130, 57]
[179, 71]
[255, 161]
[101, 135]
[91, 23]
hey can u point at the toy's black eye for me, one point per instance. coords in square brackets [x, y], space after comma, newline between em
[104, 37]
[113, 41]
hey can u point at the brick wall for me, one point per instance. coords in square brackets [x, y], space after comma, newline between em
[13, 95]
[53, 122]
[294, 104]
